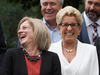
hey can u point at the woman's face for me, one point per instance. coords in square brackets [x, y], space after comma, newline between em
[69, 33]
[25, 33]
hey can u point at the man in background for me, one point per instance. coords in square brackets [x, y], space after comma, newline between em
[49, 9]
[91, 25]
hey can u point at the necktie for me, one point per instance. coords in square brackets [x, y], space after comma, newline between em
[95, 34]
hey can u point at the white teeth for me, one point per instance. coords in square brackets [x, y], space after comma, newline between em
[69, 33]
[49, 12]
[22, 36]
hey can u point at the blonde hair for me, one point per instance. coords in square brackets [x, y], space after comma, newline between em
[42, 37]
[70, 11]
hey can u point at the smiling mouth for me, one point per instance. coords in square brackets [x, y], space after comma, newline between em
[69, 34]
[49, 12]
[23, 36]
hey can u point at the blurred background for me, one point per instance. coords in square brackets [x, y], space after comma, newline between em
[12, 11]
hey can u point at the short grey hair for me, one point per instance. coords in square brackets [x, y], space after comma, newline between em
[60, 2]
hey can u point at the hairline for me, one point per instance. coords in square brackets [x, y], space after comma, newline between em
[60, 2]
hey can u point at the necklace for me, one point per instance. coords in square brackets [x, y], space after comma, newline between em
[30, 58]
[69, 50]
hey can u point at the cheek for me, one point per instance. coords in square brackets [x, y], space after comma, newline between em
[63, 28]
[42, 9]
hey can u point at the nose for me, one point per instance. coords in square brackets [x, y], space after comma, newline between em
[48, 6]
[92, 7]
[20, 31]
[69, 28]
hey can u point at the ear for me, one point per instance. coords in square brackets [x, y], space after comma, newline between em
[79, 29]
[58, 28]
[61, 6]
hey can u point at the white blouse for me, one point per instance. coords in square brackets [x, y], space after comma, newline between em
[84, 63]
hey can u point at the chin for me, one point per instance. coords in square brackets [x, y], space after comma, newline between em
[49, 18]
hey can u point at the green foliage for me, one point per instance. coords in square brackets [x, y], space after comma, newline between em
[81, 6]
[10, 15]
[74, 3]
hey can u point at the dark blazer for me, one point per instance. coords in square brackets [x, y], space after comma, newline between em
[2, 46]
[97, 44]
[83, 37]
[14, 63]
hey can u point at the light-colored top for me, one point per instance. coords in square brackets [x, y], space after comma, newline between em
[90, 27]
[84, 63]
[54, 33]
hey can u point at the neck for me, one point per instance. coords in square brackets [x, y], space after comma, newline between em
[69, 46]
[32, 51]
[52, 24]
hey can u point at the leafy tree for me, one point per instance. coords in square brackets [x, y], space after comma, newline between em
[29, 3]
[10, 16]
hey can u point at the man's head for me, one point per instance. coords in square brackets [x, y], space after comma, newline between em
[92, 9]
[49, 8]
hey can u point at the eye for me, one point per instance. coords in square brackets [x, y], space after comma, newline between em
[73, 24]
[89, 2]
[97, 4]
[64, 24]
[45, 4]
[24, 27]
[52, 3]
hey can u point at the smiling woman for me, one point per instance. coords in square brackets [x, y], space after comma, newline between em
[32, 58]
[76, 58]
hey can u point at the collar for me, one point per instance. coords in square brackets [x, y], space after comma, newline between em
[45, 22]
[48, 24]
[89, 22]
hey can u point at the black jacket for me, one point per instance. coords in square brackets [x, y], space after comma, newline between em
[14, 63]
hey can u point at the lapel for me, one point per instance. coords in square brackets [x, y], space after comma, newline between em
[22, 62]
[79, 57]
[83, 37]
[44, 65]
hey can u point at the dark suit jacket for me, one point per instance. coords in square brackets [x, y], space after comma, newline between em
[83, 37]
[14, 63]
[2, 46]
[97, 44]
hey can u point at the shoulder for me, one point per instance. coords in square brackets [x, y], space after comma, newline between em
[55, 47]
[49, 53]
[11, 54]
[13, 51]
[50, 57]
[86, 47]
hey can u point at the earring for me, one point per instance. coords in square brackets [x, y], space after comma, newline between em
[78, 33]
[59, 33]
